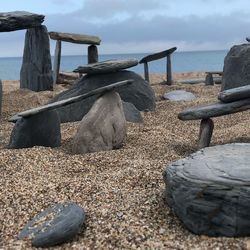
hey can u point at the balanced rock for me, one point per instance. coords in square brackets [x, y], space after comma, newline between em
[55, 225]
[139, 93]
[103, 128]
[236, 71]
[210, 190]
[42, 129]
[36, 71]
[179, 95]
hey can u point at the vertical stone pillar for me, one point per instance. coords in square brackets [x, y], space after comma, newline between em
[92, 54]
[57, 61]
[36, 71]
[146, 73]
[169, 70]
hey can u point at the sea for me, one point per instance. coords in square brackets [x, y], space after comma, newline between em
[181, 62]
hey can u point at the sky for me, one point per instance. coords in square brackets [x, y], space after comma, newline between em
[136, 26]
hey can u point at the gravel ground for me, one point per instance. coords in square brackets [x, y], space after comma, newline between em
[121, 190]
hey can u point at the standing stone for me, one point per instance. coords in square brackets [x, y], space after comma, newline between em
[1, 97]
[103, 128]
[36, 71]
[236, 71]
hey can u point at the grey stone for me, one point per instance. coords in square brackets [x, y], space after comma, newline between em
[36, 71]
[132, 114]
[179, 95]
[138, 93]
[42, 129]
[18, 20]
[55, 225]
[236, 71]
[106, 66]
[103, 127]
[210, 190]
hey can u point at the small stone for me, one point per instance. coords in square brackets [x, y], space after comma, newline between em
[179, 95]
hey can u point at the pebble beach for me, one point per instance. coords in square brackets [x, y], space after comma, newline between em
[122, 191]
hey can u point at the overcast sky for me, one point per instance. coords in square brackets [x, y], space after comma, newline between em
[131, 26]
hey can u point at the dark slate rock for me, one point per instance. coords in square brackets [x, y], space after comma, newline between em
[55, 225]
[42, 129]
[132, 114]
[36, 71]
[210, 190]
[214, 110]
[18, 20]
[236, 71]
[179, 95]
[139, 93]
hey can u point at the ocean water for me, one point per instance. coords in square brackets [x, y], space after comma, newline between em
[181, 62]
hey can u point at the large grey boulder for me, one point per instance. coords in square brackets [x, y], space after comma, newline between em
[210, 190]
[236, 71]
[103, 128]
[55, 225]
[42, 129]
[36, 71]
[139, 93]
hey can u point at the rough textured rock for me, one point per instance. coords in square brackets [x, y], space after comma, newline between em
[36, 71]
[106, 66]
[132, 114]
[103, 128]
[210, 190]
[42, 129]
[18, 20]
[55, 225]
[138, 93]
[236, 71]
[179, 95]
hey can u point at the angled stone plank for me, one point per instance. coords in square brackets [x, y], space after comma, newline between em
[75, 38]
[18, 20]
[158, 55]
[106, 66]
[214, 110]
[235, 94]
[192, 81]
[78, 98]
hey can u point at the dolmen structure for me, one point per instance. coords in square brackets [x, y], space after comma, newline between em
[36, 71]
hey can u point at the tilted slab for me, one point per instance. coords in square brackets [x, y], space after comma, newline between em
[68, 101]
[214, 110]
[158, 55]
[106, 66]
[19, 20]
[75, 38]
[235, 94]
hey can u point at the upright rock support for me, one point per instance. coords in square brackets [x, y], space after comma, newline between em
[36, 71]
[57, 61]
[92, 54]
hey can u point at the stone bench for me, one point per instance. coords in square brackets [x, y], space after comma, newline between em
[231, 101]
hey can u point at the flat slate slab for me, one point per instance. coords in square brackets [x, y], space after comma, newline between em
[179, 95]
[75, 38]
[214, 110]
[19, 20]
[55, 225]
[210, 190]
[106, 66]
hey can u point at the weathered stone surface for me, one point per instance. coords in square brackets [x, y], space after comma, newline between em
[132, 114]
[179, 95]
[1, 97]
[214, 110]
[235, 94]
[103, 128]
[18, 20]
[236, 71]
[138, 93]
[75, 38]
[55, 225]
[36, 71]
[42, 129]
[106, 66]
[210, 190]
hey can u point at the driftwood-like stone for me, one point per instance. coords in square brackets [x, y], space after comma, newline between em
[235, 94]
[92, 54]
[36, 71]
[18, 20]
[106, 66]
[214, 110]
[57, 61]
[210, 190]
[206, 132]
[75, 38]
